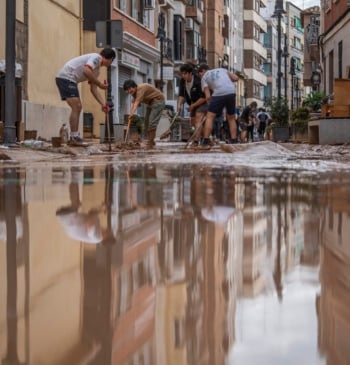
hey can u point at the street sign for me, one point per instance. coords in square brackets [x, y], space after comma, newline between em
[109, 33]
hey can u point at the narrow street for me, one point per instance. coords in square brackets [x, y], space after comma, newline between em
[169, 254]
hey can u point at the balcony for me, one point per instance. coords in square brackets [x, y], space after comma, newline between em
[167, 4]
[196, 13]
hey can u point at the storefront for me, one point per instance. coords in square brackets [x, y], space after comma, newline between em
[136, 61]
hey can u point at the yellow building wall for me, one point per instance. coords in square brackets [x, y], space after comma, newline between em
[54, 38]
[54, 272]
[19, 16]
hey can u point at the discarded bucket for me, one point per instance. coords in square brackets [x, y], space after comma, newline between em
[56, 141]
[30, 134]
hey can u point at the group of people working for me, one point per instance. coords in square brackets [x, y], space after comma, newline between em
[208, 93]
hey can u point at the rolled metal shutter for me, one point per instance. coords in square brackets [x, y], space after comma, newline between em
[124, 74]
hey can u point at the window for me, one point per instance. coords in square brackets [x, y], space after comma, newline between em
[195, 4]
[178, 37]
[267, 69]
[121, 5]
[298, 64]
[330, 71]
[257, 6]
[297, 43]
[192, 44]
[340, 59]
[298, 24]
[140, 10]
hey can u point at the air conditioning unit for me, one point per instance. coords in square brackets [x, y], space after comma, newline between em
[189, 23]
[149, 4]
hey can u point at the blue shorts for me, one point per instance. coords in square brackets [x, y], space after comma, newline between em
[218, 103]
[68, 89]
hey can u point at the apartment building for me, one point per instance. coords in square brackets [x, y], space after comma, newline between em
[334, 42]
[291, 56]
[255, 53]
[310, 19]
[295, 41]
[138, 57]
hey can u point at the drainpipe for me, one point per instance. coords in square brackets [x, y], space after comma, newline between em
[81, 27]
[10, 89]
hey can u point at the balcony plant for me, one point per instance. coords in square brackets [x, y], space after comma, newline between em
[314, 101]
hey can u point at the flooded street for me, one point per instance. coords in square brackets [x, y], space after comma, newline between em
[176, 258]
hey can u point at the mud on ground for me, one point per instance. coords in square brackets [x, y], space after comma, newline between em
[22, 154]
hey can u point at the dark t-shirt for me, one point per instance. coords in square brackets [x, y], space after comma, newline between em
[196, 90]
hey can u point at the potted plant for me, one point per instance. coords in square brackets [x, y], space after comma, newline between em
[299, 123]
[280, 116]
[314, 101]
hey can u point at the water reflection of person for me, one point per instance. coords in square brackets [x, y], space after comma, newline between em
[78, 225]
[217, 214]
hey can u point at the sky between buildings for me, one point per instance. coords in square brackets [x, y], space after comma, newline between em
[304, 4]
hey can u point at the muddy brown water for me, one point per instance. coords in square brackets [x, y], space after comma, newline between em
[139, 259]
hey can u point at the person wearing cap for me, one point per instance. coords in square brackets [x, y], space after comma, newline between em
[80, 69]
[220, 92]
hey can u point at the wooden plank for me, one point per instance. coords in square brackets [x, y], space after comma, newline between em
[342, 92]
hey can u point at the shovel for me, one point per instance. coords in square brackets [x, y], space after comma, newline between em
[107, 125]
[196, 131]
[128, 129]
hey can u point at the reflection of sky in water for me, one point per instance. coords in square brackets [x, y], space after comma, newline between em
[269, 332]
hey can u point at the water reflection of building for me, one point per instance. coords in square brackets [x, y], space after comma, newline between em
[124, 312]
[255, 239]
[13, 247]
[162, 286]
[73, 302]
[201, 267]
[333, 301]
[279, 232]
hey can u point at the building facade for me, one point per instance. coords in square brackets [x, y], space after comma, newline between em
[311, 23]
[295, 41]
[334, 42]
[255, 54]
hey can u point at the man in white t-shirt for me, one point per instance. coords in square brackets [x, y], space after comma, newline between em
[220, 91]
[79, 69]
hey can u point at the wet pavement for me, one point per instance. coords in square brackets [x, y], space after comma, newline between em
[172, 256]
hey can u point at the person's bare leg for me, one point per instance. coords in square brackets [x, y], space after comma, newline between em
[198, 119]
[233, 126]
[244, 136]
[208, 126]
[75, 105]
